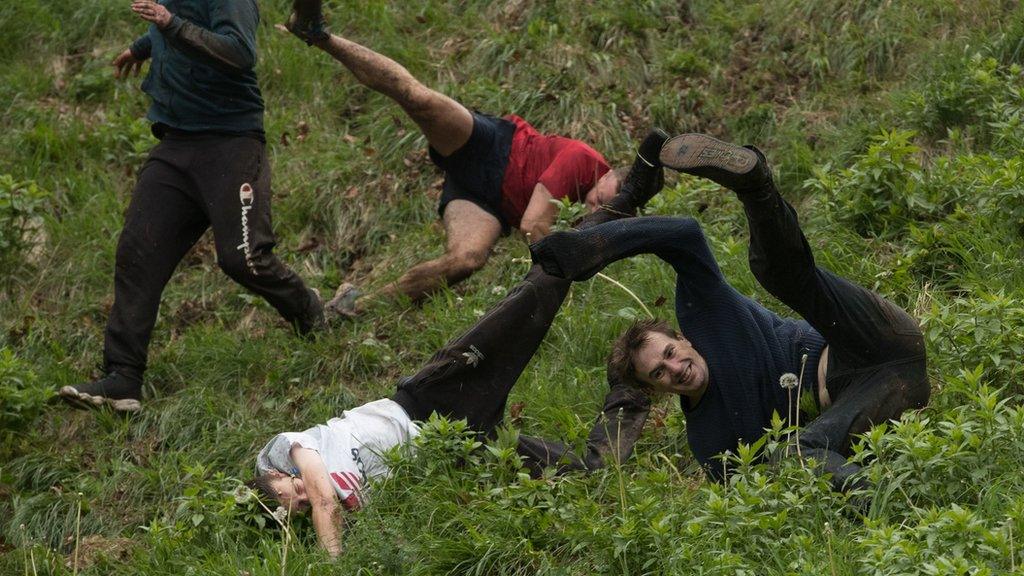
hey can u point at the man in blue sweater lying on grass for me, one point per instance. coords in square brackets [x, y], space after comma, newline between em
[327, 468]
[735, 363]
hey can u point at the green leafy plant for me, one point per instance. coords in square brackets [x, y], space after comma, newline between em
[21, 207]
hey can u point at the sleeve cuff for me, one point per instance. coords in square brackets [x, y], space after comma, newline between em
[142, 48]
[174, 27]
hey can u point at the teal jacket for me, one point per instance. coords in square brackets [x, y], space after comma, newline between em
[203, 74]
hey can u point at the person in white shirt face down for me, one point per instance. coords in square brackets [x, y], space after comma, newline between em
[325, 469]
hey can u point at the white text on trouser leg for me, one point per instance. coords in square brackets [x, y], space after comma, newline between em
[245, 196]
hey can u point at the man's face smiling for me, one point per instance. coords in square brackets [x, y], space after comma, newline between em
[671, 365]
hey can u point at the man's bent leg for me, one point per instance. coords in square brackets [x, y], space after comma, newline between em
[472, 233]
[234, 179]
[857, 323]
[866, 327]
[446, 123]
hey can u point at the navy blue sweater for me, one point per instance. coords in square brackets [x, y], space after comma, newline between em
[203, 74]
[746, 346]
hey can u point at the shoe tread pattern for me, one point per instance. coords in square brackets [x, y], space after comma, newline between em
[692, 152]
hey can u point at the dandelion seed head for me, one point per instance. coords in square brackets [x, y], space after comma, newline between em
[242, 494]
[281, 514]
[788, 381]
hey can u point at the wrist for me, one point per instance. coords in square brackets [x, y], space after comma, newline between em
[167, 22]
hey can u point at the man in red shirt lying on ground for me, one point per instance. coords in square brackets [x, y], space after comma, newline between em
[500, 173]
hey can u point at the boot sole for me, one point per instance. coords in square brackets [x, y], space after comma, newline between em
[89, 402]
[688, 152]
[344, 302]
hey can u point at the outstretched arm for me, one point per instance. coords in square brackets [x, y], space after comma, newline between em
[611, 440]
[323, 502]
[229, 44]
[678, 241]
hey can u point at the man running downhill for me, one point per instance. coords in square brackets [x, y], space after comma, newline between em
[210, 169]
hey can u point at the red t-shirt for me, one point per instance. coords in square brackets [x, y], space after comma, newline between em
[566, 167]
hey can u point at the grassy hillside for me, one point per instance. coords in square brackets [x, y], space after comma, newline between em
[895, 127]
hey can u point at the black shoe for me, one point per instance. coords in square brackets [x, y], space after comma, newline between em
[738, 168]
[307, 21]
[121, 393]
[646, 177]
[313, 320]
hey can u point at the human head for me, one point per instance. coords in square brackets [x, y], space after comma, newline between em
[284, 489]
[606, 188]
[654, 357]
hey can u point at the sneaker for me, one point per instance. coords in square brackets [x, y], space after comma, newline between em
[307, 21]
[344, 302]
[121, 393]
[646, 177]
[738, 168]
[313, 321]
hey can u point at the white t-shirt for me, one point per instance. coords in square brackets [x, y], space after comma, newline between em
[350, 447]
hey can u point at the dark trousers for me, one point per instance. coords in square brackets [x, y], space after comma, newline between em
[188, 184]
[473, 375]
[876, 368]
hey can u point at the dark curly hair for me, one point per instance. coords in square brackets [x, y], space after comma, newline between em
[621, 363]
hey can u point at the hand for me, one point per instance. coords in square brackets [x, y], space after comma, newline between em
[126, 64]
[152, 12]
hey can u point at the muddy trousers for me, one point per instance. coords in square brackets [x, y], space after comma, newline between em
[877, 366]
[189, 183]
[473, 375]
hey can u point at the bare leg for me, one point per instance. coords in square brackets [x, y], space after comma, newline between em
[472, 233]
[446, 123]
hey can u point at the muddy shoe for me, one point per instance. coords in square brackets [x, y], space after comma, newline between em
[344, 302]
[646, 177]
[307, 21]
[737, 168]
[313, 320]
[116, 391]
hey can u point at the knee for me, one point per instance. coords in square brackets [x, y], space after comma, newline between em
[243, 264]
[241, 267]
[464, 264]
[918, 389]
[235, 266]
[461, 265]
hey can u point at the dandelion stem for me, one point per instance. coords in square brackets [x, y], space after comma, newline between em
[78, 532]
[799, 391]
[828, 540]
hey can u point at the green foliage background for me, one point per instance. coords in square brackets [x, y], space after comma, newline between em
[895, 127]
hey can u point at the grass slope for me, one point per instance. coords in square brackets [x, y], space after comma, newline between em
[895, 128]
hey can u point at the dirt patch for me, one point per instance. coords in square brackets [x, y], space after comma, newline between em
[94, 548]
